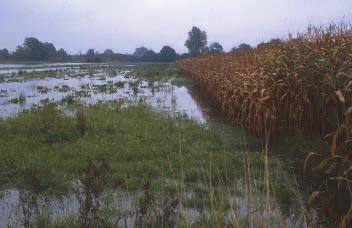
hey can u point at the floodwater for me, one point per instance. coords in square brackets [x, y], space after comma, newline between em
[91, 88]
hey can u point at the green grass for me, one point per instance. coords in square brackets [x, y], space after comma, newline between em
[181, 81]
[44, 145]
[155, 72]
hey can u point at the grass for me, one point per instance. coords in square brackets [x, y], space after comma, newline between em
[154, 72]
[45, 152]
[181, 81]
[21, 99]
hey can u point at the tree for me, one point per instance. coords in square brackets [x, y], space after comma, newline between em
[275, 41]
[216, 48]
[167, 54]
[241, 47]
[108, 55]
[20, 53]
[34, 49]
[140, 52]
[4, 54]
[205, 50]
[49, 51]
[108, 52]
[183, 56]
[62, 55]
[197, 41]
[150, 55]
[271, 42]
[90, 56]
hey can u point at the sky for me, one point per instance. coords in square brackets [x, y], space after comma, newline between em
[123, 25]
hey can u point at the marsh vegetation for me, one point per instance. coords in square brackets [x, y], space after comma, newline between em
[112, 145]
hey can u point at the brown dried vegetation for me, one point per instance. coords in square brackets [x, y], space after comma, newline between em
[300, 86]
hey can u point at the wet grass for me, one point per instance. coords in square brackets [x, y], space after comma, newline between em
[181, 81]
[45, 151]
[21, 99]
[154, 73]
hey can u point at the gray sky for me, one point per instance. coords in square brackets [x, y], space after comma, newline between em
[123, 25]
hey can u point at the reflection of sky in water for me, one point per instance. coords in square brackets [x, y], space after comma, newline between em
[164, 96]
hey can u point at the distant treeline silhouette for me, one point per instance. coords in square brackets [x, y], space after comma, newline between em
[35, 50]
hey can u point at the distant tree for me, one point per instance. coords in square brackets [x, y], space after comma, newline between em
[241, 47]
[34, 49]
[216, 48]
[167, 54]
[275, 41]
[4, 54]
[205, 50]
[183, 56]
[271, 42]
[140, 52]
[90, 56]
[49, 51]
[108, 52]
[150, 55]
[196, 42]
[244, 46]
[20, 53]
[262, 44]
[61, 55]
[108, 55]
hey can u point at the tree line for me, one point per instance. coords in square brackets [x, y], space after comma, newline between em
[197, 44]
[35, 50]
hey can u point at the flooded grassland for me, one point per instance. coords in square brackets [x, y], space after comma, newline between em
[101, 145]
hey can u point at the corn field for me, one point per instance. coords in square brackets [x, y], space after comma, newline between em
[303, 86]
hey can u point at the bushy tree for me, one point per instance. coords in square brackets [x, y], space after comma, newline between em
[140, 52]
[90, 56]
[244, 46]
[49, 51]
[21, 53]
[183, 56]
[216, 48]
[205, 50]
[62, 55]
[241, 47]
[275, 41]
[4, 54]
[196, 42]
[108, 55]
[150, 55]
[108, 52]
[35, 50]
[167, 54]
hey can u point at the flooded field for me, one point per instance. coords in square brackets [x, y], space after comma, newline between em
[127, 146]
[89, 85]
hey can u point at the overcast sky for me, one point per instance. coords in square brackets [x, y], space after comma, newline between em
[123, 25]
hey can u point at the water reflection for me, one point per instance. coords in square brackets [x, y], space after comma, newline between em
[97, 87]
